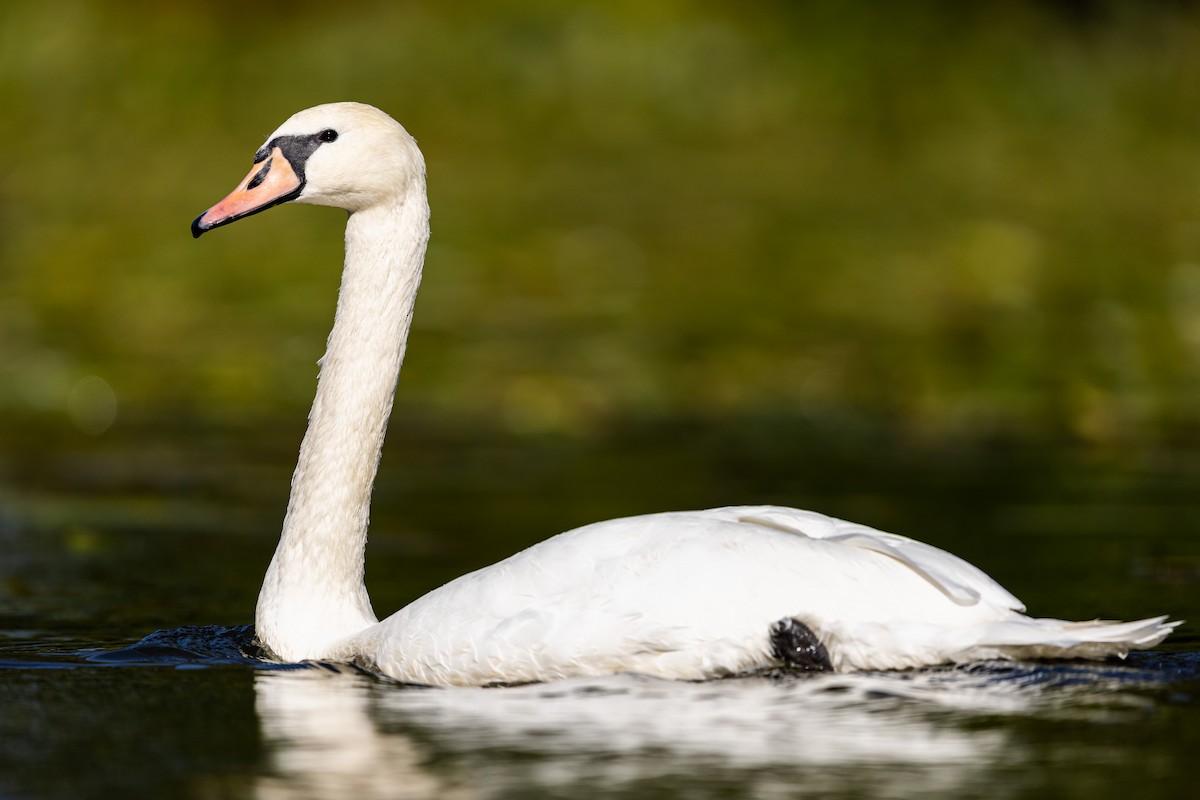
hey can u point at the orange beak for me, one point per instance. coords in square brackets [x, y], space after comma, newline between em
[272, 181]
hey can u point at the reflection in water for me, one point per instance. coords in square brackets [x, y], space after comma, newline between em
[323, 742]
[340, 733]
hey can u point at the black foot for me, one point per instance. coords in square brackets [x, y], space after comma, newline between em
[794, 644]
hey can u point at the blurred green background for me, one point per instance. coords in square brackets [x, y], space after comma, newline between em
[951, 222]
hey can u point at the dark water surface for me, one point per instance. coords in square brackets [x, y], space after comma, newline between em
[104, 542]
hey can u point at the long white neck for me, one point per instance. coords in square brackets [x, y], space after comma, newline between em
[313, 594]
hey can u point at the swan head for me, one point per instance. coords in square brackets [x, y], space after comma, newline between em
[347, 155]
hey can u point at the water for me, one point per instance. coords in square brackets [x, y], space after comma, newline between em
[94, 704]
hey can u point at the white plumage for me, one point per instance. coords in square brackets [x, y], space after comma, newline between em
[687, 595]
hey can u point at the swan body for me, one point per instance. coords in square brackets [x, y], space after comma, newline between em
[684, 595]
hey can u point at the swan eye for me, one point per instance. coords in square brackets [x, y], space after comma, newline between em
[328, 135]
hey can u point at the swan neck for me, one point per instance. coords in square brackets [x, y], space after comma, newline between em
[314, 593]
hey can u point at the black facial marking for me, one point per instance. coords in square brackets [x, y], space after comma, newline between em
[794, 643]
[261, 176]
[298, 149]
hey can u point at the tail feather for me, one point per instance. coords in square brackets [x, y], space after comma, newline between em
[1052, 638]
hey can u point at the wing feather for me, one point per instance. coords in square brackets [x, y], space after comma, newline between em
[961, 581]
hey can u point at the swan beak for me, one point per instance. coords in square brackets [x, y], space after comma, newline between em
[272, 181]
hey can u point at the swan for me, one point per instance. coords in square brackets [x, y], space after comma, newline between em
[689, 595]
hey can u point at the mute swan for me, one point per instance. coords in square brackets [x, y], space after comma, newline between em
[687, 595]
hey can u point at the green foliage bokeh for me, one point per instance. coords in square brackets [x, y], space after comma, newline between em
[953, 220]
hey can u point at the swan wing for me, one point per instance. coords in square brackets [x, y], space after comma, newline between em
[959, 580]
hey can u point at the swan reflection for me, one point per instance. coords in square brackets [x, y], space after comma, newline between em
[335, 732]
